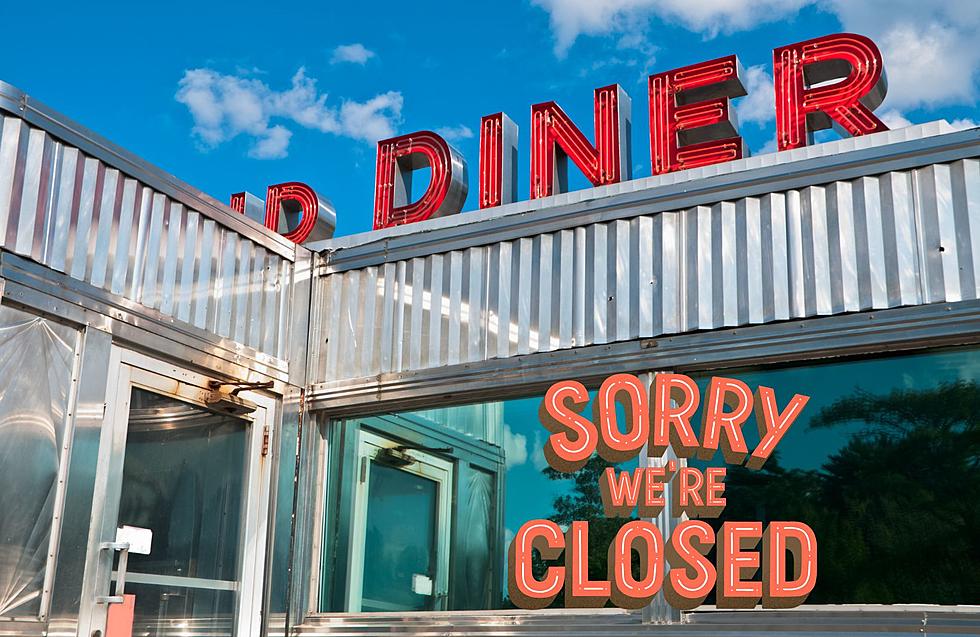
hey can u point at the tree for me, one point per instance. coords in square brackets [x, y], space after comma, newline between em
[895, 509]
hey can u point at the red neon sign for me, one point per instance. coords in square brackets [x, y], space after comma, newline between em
[802, 108]
[398, 157]
[555, 140]
[296, 192]
[690, 118]
[692, 124]
[498, 160]
[308, 216]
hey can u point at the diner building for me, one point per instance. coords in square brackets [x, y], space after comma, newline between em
[231, 434]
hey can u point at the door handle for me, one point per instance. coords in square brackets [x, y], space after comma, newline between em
[123, 549]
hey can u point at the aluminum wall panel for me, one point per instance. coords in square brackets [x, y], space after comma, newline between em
[81, 216]
[880, 241]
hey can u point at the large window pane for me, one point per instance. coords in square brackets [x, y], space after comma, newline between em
[184, 479]
[36, 359]
[883, 464]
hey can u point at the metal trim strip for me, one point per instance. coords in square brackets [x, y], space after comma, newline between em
[180, 582]
[805, 620]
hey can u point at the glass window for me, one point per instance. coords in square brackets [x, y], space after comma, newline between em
[278, 574]
[512, 471]
[36, 363]
[183, 478]
[399, 539]
[883, 464]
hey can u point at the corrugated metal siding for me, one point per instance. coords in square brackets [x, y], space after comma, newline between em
[80, 216]
[900, 238]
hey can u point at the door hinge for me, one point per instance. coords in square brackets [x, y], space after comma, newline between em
[265, 441]
[364, 467]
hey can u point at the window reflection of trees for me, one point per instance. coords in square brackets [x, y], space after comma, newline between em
[895, 510]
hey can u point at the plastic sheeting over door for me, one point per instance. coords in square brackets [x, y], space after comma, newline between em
[36, 364]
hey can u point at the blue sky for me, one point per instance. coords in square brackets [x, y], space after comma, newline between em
[240, 95]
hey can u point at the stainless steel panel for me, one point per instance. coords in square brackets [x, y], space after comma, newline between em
[814, 620]
[897, 329]
[32, 285]
[83, 216]
[875, 242]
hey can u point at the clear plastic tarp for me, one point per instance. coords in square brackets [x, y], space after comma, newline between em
[36, 358]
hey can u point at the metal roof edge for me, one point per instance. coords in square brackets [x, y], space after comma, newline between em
[19, 104]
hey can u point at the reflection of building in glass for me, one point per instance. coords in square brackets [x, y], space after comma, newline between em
[484, 421]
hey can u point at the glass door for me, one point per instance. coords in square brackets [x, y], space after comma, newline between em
[183, 548]
[401, 533]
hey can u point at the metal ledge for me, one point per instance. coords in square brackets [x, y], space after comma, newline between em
[908, 328]
[805, 620]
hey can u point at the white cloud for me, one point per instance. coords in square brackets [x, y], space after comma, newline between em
[273, 146]
[226, 106]
[538, 458]
[893, 119]
[930, 50]
[759, 106]
[928, 65]
[455, 133]
[769, 147]
[355, 53]
[964, 123]
[371, 120]
[515, 448]
[572, 18]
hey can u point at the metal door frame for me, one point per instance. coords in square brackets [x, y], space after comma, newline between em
[429, 467]
[126, 370]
